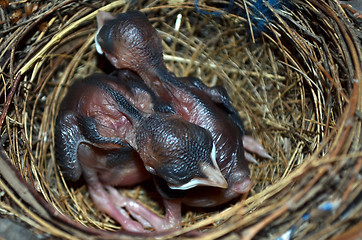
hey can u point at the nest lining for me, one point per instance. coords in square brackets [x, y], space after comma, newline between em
[292, 99]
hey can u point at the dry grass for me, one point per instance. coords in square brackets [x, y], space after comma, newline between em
[297, 89]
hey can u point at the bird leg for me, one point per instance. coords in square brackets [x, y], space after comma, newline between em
[105, 203]
[145, 216]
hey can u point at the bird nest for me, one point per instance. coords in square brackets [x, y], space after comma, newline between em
[293, 71]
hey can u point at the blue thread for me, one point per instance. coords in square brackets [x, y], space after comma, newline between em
[305, 217]
[288, 234]
[260, 15]
[328, 206]
[217, 14]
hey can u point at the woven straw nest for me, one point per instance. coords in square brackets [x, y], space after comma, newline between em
[297, 86]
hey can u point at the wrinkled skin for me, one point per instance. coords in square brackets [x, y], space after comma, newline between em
[112, 129]
[98, 151]
[87, 121]
[211, 109]
[129, 41]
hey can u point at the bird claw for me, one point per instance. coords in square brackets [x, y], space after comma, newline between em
[105, 203]
[250, 158]
[143, 215]
[252, 146]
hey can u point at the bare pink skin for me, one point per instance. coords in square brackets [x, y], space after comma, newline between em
[91, 159]
[109, 128]
[130, 42]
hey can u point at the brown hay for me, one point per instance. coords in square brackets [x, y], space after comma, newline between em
[297, 89]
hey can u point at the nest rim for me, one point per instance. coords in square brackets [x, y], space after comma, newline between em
[254, 205]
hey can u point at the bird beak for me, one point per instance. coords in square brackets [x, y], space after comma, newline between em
[213, 176]
[102, 17]
[213, 173]
[98, 46]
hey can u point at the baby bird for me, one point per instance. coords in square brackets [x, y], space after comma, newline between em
[129, 41]
[113, 130]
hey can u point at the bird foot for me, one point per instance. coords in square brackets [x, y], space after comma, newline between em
[104, 202]
[145, 216]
